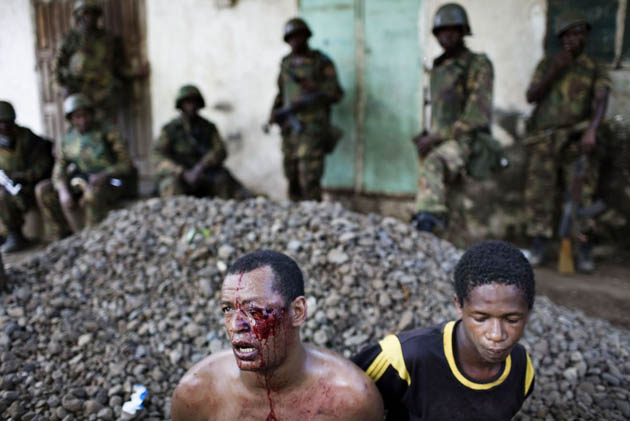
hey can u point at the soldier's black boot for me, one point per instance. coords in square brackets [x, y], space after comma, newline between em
[427, 221]
[538, 251]
[15, 242]
[584, 258]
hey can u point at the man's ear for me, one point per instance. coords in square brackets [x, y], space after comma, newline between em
[459, 306]
[298, 311]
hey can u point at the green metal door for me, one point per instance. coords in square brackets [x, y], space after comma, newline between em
[374, 44]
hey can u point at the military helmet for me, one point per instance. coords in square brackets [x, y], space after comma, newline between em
[80, 5]
[296, 25]
[189, 91]
[76, 102]
[7, 112]
[568, 21]
[451, 14]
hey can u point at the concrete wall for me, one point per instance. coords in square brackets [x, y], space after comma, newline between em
[233, 55]
[18, 77]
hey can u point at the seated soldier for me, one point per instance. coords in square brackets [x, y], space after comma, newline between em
[190, 153]
[269, 373]
[472, 368]
[25, 159]
[92, 171]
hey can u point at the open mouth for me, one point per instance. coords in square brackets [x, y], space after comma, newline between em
[244, 351]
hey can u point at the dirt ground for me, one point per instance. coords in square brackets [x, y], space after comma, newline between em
[604, 294]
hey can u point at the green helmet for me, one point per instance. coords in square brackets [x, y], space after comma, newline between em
[80, 5]
[451, 14]
[189, 91]
[568, 21]
[76, 102]
[296, 25]
[7, 112]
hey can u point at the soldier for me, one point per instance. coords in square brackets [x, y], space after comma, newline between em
[307, 87]
[91, 61]
[190, 153]
[92, 171]
[461, 107]
[570, 91]
[25, 159]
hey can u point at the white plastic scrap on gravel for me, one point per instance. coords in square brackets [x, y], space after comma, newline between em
[135, 301]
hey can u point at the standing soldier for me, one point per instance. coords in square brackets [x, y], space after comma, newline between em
[91, 61]
[307, 87]
[92, 171]
[461, 110]
[570, 91]
[25, 159]
[190, 153]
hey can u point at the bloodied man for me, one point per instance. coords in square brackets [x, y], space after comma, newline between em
[269, 374]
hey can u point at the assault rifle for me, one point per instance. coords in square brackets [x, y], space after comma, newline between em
[571, 211]
[9, 185]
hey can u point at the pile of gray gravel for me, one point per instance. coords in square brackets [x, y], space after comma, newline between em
[135, 301]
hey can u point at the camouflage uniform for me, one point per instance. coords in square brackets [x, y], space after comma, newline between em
[100, 149]
[304, 148]
[27, 162]
[461, 96]
[93, 63]
[556, 127]
[181, 146]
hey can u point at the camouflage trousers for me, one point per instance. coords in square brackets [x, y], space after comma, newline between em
[550, 174]
[63, 221]
[13, 208]
[303, 163]
[218, 182]
[439, 168]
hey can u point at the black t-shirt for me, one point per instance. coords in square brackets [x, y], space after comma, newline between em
[419, 379]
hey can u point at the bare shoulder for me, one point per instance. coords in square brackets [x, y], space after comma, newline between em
[356, 396]
[198, 393]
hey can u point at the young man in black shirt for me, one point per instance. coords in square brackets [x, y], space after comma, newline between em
[472, 368]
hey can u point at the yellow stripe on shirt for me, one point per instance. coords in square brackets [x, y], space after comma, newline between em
[529, 375]
[390, 355]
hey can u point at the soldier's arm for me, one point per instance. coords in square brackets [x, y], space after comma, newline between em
[124, 164]
[41, 160]
[602, 89]
[277, 102]
[545, 75]
[165, 165]
[217, 153]
[329, 84]
[62, 72]
[477, 112]
[59, 176]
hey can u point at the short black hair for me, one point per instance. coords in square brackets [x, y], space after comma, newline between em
[490, 262]
[288, 280]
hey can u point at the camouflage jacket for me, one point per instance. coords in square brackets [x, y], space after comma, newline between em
[570, 99]
[183, 145]
[101, 149]
[316, 67]
[91, 63]
[29, 160]
[461, 93]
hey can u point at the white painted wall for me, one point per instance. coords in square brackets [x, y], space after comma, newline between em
[18, 77]
[233, 56]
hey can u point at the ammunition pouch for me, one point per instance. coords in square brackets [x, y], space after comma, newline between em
[331, 137]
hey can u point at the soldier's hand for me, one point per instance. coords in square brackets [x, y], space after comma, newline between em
[426, 143]
[589, 140]
[65, 197]
[561, 61]
[193, 175]
[99, 179]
